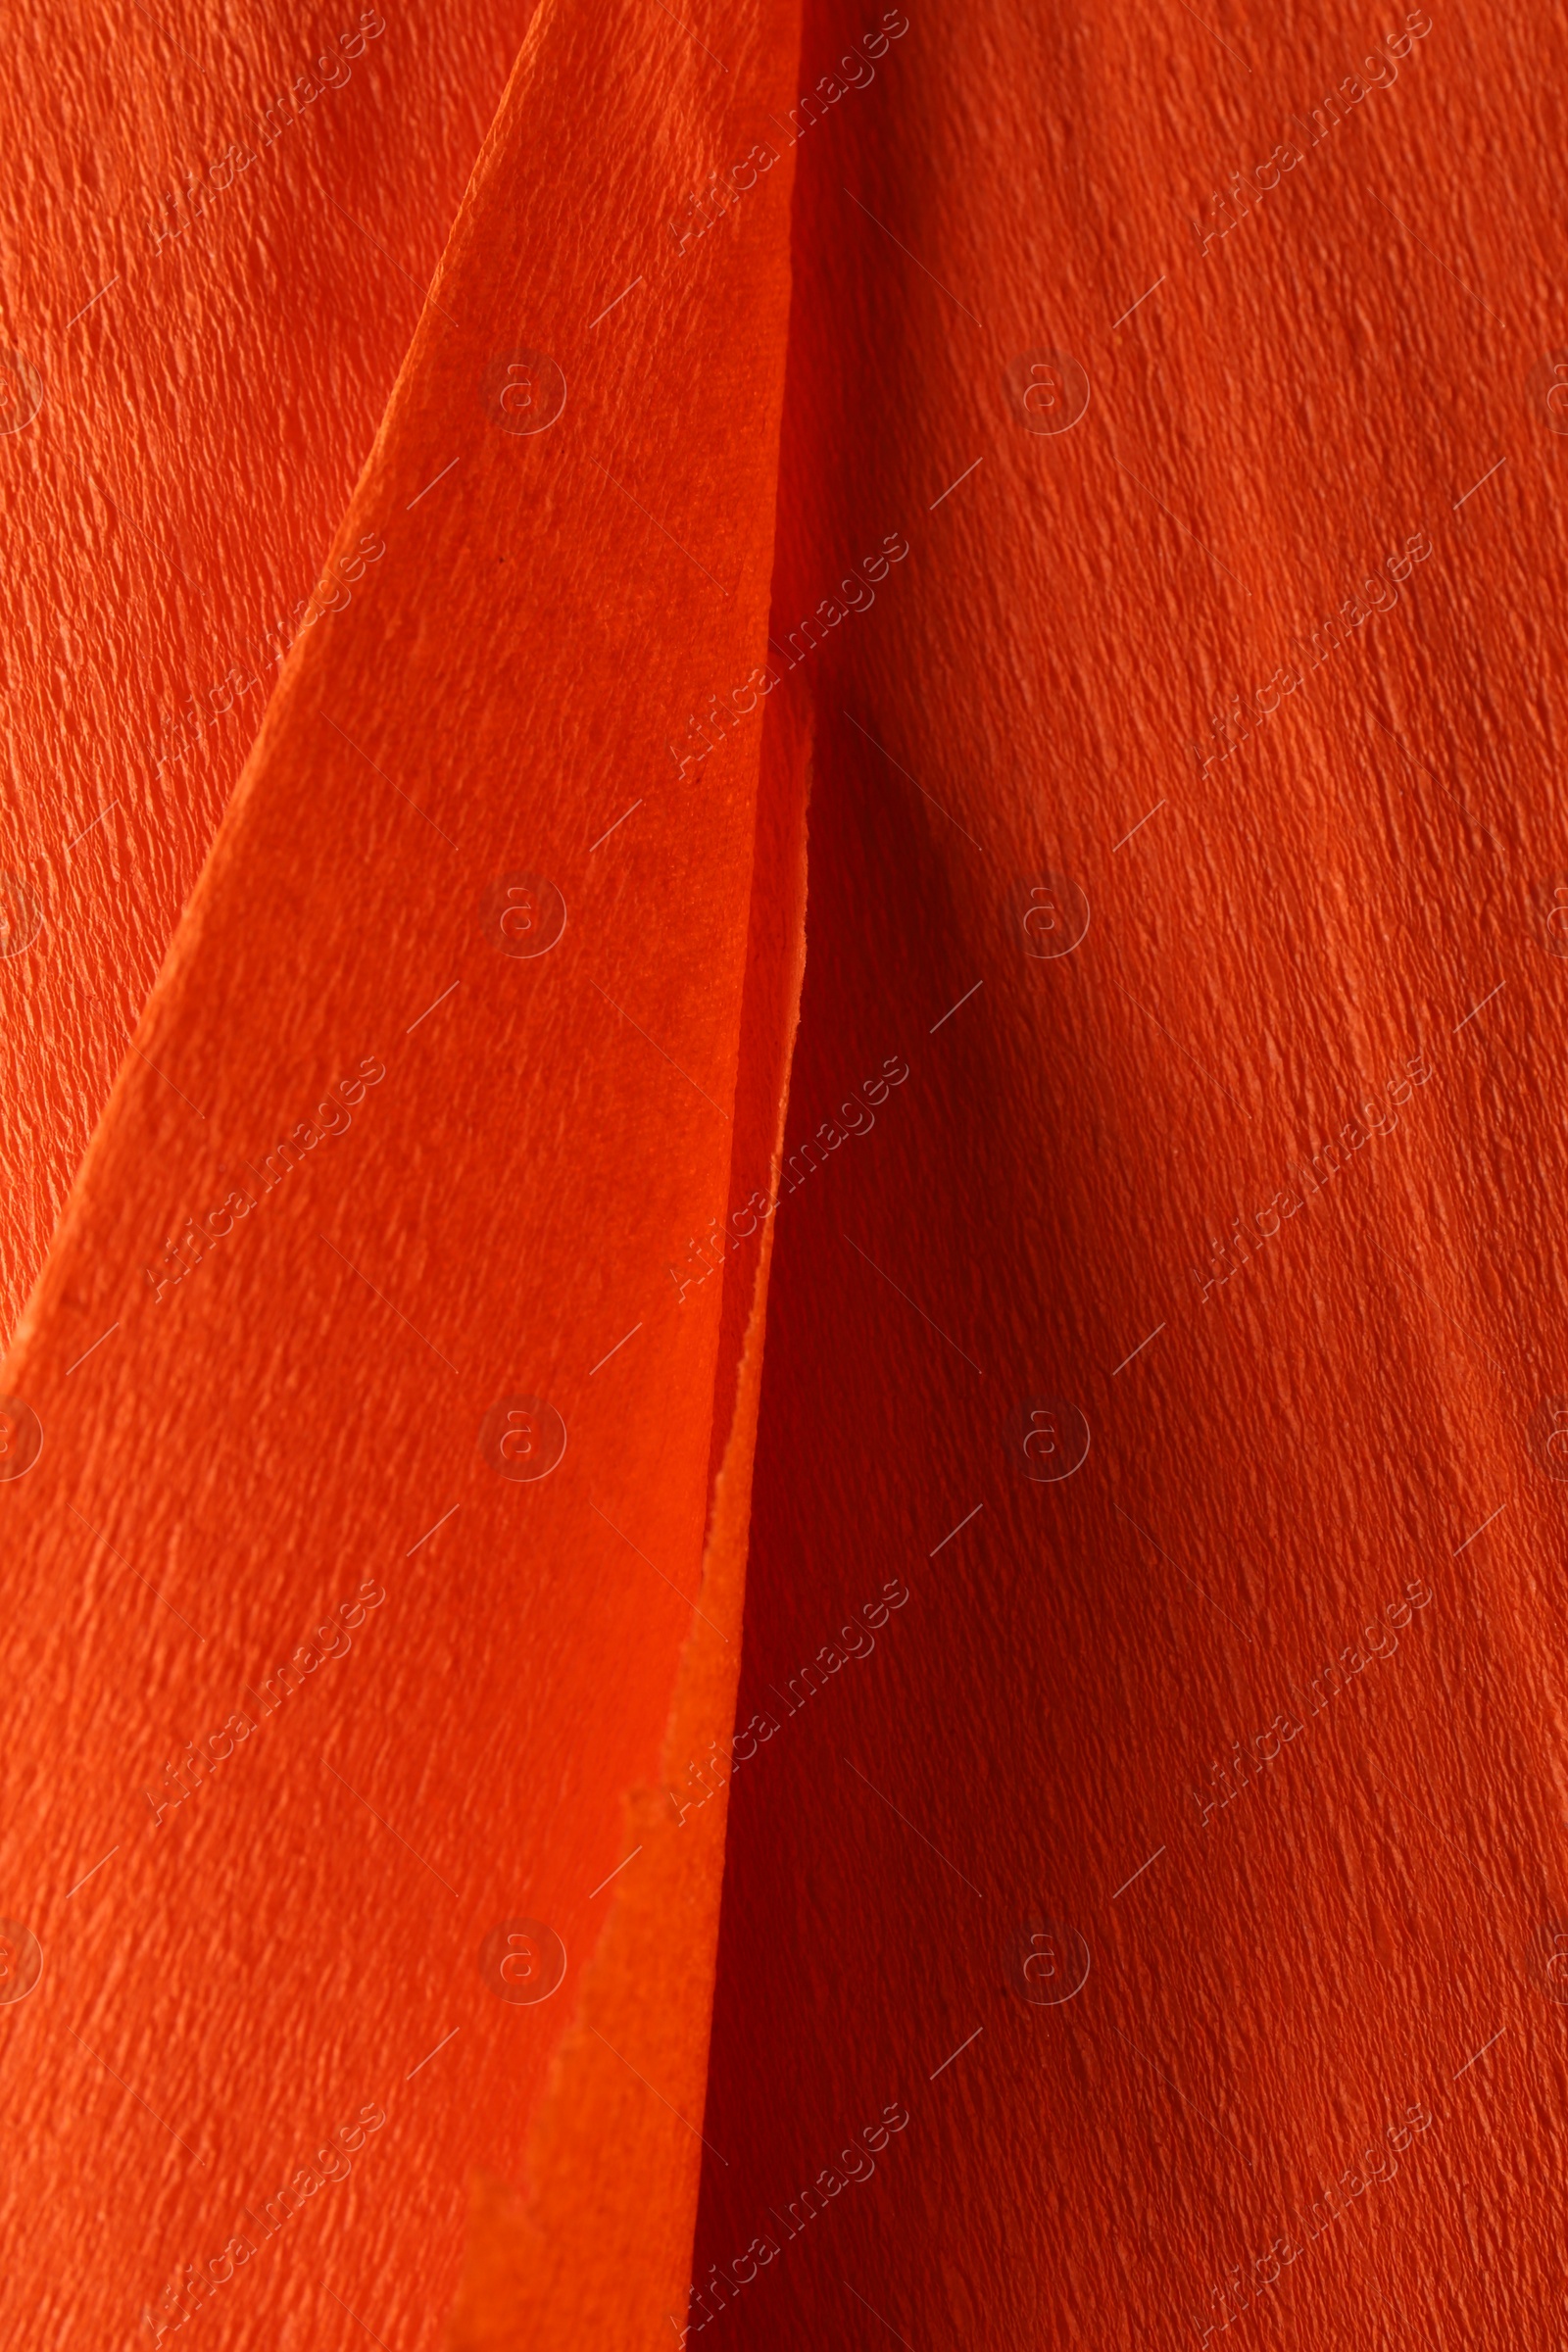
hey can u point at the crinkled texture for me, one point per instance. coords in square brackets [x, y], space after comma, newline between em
[1304, 1391]
[1030, 1699]
[443, 1071]
[213, 293]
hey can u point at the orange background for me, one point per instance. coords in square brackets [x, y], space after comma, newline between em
[1342, 898]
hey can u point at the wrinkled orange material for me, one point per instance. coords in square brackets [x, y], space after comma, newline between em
[985, 1918]
[306, 1403]
[215, 339]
